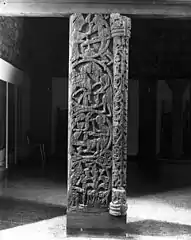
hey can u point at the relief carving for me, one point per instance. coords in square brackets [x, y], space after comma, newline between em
[90, 112]
[120, 30]
[98, 112]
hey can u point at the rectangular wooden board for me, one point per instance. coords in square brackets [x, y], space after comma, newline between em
[96, 224]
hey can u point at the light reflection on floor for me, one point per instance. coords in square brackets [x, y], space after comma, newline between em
[173, 206]
[157, 216]
[156, 208]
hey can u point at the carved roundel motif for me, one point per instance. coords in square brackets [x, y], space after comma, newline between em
[91, 35]
[91, 85]
[91, 134]
[91, 114]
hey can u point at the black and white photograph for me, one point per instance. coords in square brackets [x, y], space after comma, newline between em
[95, 119]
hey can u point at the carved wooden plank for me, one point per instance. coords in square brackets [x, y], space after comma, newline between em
[90, 112]
[120, 29]
[98, 85]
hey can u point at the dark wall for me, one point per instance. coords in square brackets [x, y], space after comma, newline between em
[11, 37]
[160, 47]
[38, 66]
[46, 56]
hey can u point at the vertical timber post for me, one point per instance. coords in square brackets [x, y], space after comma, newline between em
[120, 30]
[98, 76]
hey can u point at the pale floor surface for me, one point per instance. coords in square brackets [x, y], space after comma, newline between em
[55, 229]
[173, 207]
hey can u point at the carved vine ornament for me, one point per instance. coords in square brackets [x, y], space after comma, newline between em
[98, 112]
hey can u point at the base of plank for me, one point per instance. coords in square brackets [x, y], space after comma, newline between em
[95, 224]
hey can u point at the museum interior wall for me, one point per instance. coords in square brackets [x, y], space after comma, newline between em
[165, 119]
[44, 58]
[11, 36]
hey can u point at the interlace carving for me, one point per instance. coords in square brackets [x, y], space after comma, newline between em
[120, 30]
[98, 111]
[90, 112]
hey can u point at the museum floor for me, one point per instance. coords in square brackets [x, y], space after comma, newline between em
[32, 206]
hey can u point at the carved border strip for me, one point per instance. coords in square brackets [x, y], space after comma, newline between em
[120, 29]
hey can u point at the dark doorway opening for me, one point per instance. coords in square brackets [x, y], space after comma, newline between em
[159, 59]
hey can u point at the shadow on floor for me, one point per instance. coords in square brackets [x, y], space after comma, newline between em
[132, 230]
[157, 228]
[14, 212]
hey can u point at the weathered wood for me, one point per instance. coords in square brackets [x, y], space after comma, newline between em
[90, 112]
[169, 8]
[120, 30]
[98, 114]
[96, 224]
